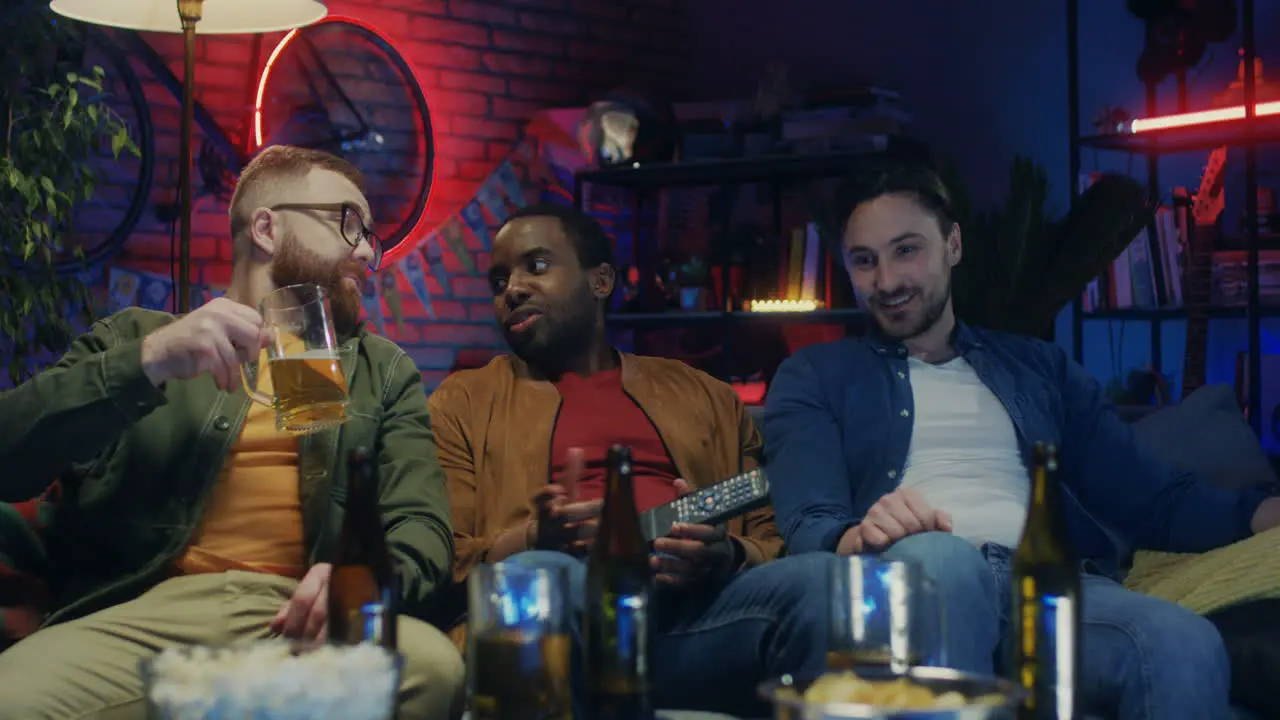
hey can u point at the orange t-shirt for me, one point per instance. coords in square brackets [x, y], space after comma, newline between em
[253, 520]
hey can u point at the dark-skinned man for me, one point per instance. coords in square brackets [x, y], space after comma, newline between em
[523, 442]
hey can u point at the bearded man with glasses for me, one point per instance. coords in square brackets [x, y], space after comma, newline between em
[187, 518]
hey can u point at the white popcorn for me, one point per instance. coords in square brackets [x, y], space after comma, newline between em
[267, 681]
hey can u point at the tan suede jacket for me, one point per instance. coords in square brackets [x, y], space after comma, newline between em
[493, 428]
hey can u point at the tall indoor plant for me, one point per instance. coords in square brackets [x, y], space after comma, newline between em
[52, 120]
[1022, 265]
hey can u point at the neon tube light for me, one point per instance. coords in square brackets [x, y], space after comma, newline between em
[412, 237]
[1202, 117]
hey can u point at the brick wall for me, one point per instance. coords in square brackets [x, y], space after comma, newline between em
[485, 66]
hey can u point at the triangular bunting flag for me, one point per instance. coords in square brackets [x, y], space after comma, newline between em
[413, 271]
[451, 231]
[491, 198]
[434, 256]
[391, 293]
[510, 182]
[473, 216]
[372, 303]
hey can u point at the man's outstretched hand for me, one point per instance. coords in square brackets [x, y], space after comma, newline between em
[305, 616]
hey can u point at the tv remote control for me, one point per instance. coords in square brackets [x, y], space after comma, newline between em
[712, 505]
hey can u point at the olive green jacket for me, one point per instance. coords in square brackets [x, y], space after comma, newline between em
[138, 464]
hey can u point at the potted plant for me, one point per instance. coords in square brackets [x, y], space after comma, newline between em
[1022, 265]
[52, 121]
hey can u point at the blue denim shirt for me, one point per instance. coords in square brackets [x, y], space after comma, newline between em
[838, 423]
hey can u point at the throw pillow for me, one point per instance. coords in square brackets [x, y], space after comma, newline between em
[1206, 434]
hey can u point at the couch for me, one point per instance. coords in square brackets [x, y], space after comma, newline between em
[1237, 588]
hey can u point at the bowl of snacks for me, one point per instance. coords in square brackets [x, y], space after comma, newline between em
[920, 693]
[272, 680]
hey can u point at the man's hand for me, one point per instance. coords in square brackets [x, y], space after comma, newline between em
[1267, 516]
[215, 338]
[305, 616]
[693, 553]
[559, 522]
[901, 513]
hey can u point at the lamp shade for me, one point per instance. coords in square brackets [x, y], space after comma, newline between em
[220, 17]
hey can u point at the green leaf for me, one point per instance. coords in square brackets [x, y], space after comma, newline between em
[118, 141]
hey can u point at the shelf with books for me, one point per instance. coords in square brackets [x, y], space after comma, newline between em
[763, 168]
[1184, 133]
[678, 318]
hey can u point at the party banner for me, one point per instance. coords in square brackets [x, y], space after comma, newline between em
[122, 289]
[451, 231]
[473, 216]
[434, 256]
[391, 293]
[372, 303]
[411, 268]
[153, 293]
[510, 182]
[492, 201]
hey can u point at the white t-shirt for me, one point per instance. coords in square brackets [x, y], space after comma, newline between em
[964, 456]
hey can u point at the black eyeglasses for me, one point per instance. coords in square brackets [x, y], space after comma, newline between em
[351, 225]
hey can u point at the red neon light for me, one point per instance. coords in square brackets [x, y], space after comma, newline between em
[1203, 117]
[404, 247]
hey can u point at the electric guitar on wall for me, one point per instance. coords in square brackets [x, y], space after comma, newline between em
[1201, 236]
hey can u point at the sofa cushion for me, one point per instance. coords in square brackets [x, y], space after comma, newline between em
[1206, 434]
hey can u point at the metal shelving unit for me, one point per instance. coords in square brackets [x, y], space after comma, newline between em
[778, 172]
[851, 317]
[1247, 133]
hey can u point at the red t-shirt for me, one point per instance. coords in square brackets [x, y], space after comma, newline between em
[594, 414]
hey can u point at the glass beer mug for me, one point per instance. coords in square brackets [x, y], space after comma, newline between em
[303, 380]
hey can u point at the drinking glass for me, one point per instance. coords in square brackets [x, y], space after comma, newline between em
[304, 382]
[519, 642]
[884, 613]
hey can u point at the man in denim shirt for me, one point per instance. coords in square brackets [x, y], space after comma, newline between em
[913, 442]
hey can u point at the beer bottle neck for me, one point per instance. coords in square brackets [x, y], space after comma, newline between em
[619, 496]
[1045, 535]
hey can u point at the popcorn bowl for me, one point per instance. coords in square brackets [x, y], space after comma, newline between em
[272, 680]
[974, 697]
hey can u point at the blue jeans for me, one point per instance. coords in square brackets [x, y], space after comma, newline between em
[1143, 657]
[712, 646]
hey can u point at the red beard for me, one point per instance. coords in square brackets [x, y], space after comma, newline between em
[297, 265]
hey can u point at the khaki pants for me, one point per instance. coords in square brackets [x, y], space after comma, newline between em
[88, 668]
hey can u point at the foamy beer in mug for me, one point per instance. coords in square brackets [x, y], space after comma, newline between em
[303, 379]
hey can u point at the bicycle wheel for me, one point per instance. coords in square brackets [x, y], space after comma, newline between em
[340, 85]
[102, 224]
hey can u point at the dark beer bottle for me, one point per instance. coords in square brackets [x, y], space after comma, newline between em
[362, 588]
[616, 623]
[1046, 602]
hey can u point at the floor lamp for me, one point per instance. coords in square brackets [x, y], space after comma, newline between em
[207, 17]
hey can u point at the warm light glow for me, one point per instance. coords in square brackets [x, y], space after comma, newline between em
[218, 17]
[262, 86]
[1202, 117]
[411, 239]
[782, 305]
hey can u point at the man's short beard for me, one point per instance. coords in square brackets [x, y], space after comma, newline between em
[931, 316]
[295, 264]
[563, 342]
